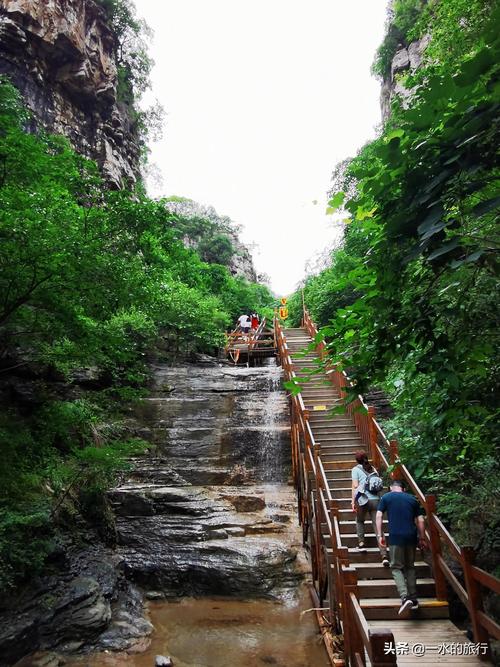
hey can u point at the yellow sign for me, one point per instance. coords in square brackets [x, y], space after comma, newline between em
[283, 301]
[319, 407]
[283, 313]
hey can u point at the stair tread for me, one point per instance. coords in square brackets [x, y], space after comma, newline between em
[376, 583]
[396, 602]
[378, 564]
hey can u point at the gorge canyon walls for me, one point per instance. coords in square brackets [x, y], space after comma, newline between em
[60, 55]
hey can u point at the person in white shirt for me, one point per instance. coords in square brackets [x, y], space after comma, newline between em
[244, 323]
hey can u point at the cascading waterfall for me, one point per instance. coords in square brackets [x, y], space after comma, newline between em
[272, 458]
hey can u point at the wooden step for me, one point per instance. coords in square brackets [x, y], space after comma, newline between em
[323, 386]
[370, 555]
[331, 441]
[331, 430]
[325, 405]
[336, 474]
[325, 416]
[386, 588]
[341, 440]
[324, 421]
[341, 492]
[350, 540]
[377, 571]
[334, 428]
[318, 395]
[335, 456]
[321, 399]
[349, 527]
[429, 607]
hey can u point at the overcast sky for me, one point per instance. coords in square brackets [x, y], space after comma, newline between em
[263, 98]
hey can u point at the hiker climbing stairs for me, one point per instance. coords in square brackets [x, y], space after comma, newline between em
[351, 582]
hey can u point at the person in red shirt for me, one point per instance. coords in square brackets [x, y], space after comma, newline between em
[254, 321]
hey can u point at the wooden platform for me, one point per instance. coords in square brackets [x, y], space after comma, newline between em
[436, 637]
[245, 348]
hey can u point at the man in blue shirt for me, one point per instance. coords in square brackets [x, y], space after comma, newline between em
[405, 516]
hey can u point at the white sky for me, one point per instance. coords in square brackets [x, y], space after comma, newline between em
[263, 98]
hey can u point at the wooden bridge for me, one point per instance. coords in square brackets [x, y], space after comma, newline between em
[251, 347]
[355, 591]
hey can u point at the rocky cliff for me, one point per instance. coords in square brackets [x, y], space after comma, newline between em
[60, 54]
[407, 58]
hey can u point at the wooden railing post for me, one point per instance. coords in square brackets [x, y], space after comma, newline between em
[333, 590]
[435, 546]
[383, 647]
[317, 516]
[393, 457]
[352, 640]
[294, 442]
[474, 593]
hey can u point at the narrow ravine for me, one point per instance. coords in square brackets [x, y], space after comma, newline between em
[207, 524]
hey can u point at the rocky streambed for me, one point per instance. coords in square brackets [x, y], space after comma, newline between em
[208, 512]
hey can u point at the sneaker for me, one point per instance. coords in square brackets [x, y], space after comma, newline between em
[414, 603]
[385, 561]
[406, 603]
[361, 546]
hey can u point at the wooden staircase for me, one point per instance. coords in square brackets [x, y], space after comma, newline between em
[355, 592]
[338, 440]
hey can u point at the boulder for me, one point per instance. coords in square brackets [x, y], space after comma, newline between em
[217, 534]
[400, 62]
[246, 502]
[162, 661]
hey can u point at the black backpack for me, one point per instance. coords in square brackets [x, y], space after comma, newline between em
[373, 482]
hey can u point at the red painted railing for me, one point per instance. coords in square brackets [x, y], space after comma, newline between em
[319, 518]
[384, 453]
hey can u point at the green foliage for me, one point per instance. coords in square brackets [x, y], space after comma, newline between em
[209, 233]
[456, 28]
[133, 64]
[25, 541]
[131, 51]
[410, 300]
[88, 278]
[60, 457]
[218, 250]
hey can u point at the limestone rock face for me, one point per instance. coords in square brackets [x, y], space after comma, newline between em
[242, 262]
[406, 59]
[60, 54]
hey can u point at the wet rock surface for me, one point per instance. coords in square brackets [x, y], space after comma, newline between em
[81, 605]
[193, 518]
[207, 512]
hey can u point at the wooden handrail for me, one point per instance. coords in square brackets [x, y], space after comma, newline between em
[370, 433]
[453, 581]
[308, 469]
[485, 579]
[450, 542]
[489, 624]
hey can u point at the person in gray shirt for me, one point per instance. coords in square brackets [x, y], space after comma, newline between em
[364, 502]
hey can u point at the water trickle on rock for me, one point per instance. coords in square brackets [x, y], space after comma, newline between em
[273, 458]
